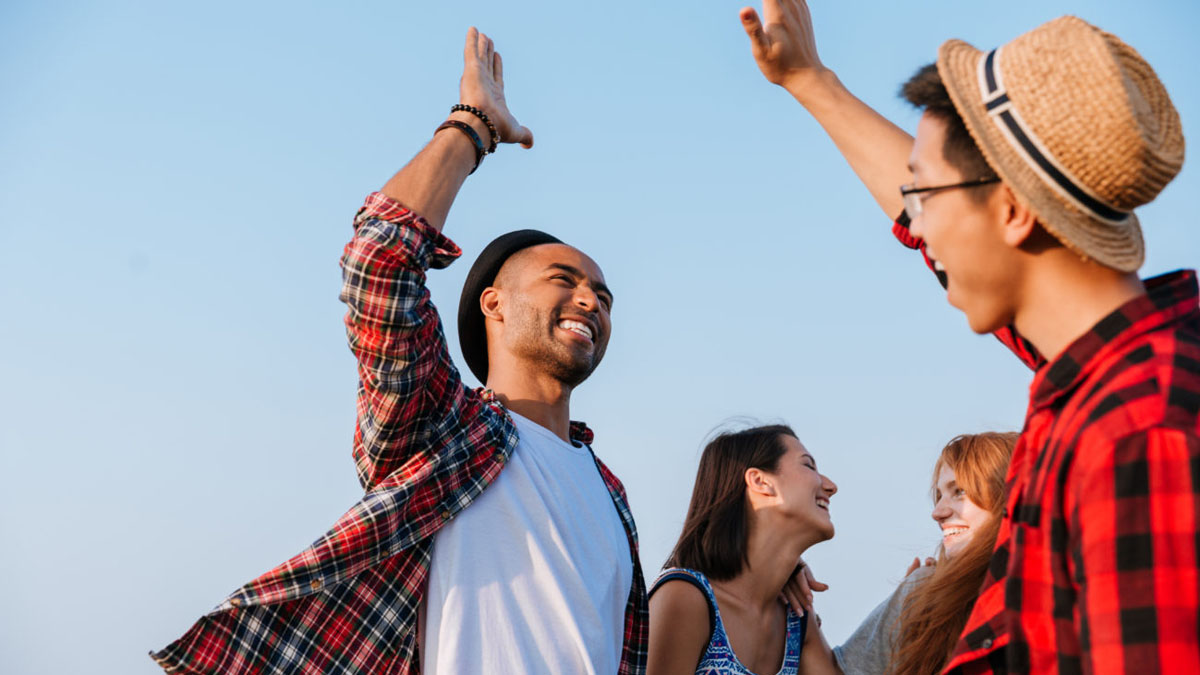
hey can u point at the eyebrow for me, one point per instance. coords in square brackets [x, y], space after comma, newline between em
[597, 285]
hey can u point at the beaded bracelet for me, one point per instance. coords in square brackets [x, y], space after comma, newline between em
[482, 116]
[466, 129]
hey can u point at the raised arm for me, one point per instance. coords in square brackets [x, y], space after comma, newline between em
[429, 183]
[407, 381]
[785, 49]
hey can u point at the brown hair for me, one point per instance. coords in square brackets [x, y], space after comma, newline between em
[717, 526]
[926, 90]
[936, 609]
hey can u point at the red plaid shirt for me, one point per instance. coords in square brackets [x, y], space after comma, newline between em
[425, 447]
[1097, 563]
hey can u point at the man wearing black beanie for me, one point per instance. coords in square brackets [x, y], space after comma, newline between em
[541, 574]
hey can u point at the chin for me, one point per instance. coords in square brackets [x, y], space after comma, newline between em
[987, 322]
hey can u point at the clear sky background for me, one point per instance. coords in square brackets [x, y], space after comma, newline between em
[177, 181]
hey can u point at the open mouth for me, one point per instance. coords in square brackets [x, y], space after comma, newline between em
[951, 532]
[822, 503]
[577, 327]
[940, 271]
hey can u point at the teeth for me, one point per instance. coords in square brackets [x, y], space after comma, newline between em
[937, 265]
[576, 327]
[951, 531]
[823, 503]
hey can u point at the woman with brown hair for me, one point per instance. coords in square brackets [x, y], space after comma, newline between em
[758, 504]
[916, 628]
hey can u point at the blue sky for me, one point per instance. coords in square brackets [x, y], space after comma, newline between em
[177, 183]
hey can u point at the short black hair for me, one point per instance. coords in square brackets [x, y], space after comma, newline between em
[926, 90]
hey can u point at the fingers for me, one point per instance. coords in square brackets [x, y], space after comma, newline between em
[792, 599]
[754, 29]
[931, 562]
[498, 69]
[472, 40]
[912, 566]
[813, 583]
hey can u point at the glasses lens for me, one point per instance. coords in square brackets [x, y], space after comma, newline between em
[912, 204]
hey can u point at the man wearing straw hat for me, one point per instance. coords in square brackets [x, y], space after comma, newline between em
[490, 538]
[1019, 190]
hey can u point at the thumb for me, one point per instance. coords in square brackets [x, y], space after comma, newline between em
[754, 29]
[524, 137]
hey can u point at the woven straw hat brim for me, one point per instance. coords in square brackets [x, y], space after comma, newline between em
[1117, 246]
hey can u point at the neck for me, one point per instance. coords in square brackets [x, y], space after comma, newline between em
[1064, 297]
[535, 396]
[771, 560]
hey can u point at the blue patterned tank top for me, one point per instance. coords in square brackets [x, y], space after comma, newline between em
[719, 658]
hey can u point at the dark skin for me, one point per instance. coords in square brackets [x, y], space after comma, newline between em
[548, 325]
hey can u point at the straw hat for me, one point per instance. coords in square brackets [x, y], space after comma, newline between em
[1077, 124]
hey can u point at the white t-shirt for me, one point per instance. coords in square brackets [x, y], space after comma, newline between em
[534, 575]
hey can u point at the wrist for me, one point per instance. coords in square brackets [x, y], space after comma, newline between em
[813, 87]
[476, 123]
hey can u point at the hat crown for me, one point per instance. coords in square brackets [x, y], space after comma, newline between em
[1097, 106]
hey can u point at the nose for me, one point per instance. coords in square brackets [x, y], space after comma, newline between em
[940, 511]
[916, 226]
[828, 486]
[586, 298]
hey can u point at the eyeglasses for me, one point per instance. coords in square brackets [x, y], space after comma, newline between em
[912, 200]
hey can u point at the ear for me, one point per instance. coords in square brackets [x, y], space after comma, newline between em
[490, 303]
[759, 482]
[1019, 221]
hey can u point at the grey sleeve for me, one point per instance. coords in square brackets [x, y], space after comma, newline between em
[869, 648]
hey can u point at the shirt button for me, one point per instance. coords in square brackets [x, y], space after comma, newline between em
[986, 644]
[316, 584]
[446, 515]
[236, 602]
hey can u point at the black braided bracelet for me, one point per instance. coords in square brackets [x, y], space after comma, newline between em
[466, 129]
[482, 116]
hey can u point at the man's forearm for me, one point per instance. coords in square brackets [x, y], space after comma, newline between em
[876, 149]
[429, 183]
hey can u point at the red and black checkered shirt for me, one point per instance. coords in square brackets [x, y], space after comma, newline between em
[1097, 565]
[425, 446]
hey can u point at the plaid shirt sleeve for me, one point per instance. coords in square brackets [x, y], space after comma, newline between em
[1135, 558]
[1008, 336]
[405, 371]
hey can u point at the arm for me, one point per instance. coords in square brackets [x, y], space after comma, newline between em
[786, 52]
[406, 375]
[429, 183]
[679, 629]
[878, 151]
[1136, 514]
[817, 657]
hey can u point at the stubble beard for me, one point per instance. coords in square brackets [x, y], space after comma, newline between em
[533, 344]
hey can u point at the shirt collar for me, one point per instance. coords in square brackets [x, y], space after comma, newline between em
[579, 432]
[1168, 297]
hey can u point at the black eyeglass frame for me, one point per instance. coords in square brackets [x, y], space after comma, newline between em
[912, 205]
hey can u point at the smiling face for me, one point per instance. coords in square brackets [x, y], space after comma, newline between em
[802, 492]
[963, 230]
[955, 513]
[548, 311]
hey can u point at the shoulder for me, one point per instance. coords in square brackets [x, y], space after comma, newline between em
[679, 626]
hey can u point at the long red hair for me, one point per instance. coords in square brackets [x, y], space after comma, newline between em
[936, 609]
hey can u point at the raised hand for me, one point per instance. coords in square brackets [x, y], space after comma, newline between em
[916, 564]
[482, 86]
[785, 48]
